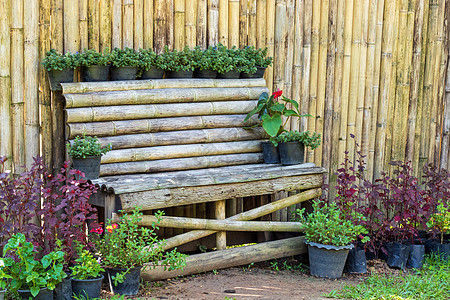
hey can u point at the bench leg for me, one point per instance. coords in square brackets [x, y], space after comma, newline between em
[110, 206]
[221, 237]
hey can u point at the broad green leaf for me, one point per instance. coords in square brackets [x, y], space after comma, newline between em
[290, 112]
[271, 124]
[34, 291]
[279, 107]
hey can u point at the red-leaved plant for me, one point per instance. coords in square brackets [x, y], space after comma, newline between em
[63, 212]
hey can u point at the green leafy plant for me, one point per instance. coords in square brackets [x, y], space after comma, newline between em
[149, 59]
[82, 147]
[26, 272]
[440, 220]
[327, 225]
[54, 60]
[270, 112]
[93, 58]
[252, 58]
[125, 57]
[309, 140]
[4, 277]
[179, 60]
[87, 266]
[127, 245]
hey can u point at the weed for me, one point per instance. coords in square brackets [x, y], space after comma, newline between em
[248, 268]
[215, 272]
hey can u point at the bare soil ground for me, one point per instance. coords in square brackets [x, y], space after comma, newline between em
[269, 280]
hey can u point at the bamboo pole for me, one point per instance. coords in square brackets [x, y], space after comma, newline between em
[385, 79]
[31, 68]
[223, 22]
[148, 24]
[105, 39]
[83, 24]
[221, 236]
[170, 38]
[321, 75]
[315, 35]
[245, 216]
[93, 24]
[6, 134]
[180, 26]
[17, 88]
[252, 23]
[71, 26]
[202, 20]
[233, 257]
[289, 50]
[261, 14]
[128, 21]
[213, 22]
[243, 29]
[297, 54]
[280, 44]
[270, 40]
[138, 24]
[304, 105]
[329, 89]
[233, 23]
[191, 22]
[375, 88]
[117, 23]
[160, 26]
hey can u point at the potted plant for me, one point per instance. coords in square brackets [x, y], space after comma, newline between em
[151, 64]
[179, 64]
[125, 63]
[30, 277]
[206, 62]
[3, 280]
[95, 65]
[60, 68]
[229, 63]
[86, 153]
[329, 236]
[126, 247]
[439, 222]
[292, 145]
[86, 275]
[271, 114]
[255, 62]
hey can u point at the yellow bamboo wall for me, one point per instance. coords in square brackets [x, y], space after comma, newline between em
[373, 68]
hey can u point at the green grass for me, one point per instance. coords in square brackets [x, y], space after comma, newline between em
[431, 282]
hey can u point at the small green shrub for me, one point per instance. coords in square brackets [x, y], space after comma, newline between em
[179, 60]
[440, 221]
[327, 225]
[93, 58]
[85, 146]
[125, 57]
[87, 266]
[54, 60]
[309, 140]
[149, 59]
[252, 58]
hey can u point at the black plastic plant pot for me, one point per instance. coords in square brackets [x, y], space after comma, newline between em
[327, 261]
[123, 73]
[63, 290]
[233, 74]
[179, 74]
[2, 294]
[130, 285]
[258, 74]
[416, 256]
[44, 294]
[356, 261]
[436, 248]
[90, 166]
[152, 73]
[270, 153]
[56, 77]
[88, 288]
[211, 74]
[398, 256]
[291, 153]
[95, 73]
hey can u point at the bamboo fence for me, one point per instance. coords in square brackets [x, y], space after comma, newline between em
[376, 69]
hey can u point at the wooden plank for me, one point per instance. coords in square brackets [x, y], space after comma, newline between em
[190, 195]
[245, 216]
[216, 260]
[132, 112]
[155, 96]
[104, 86]
[230, 174]
[113, 128]
[220, 224]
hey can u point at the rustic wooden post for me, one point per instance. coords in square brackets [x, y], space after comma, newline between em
[221, 237]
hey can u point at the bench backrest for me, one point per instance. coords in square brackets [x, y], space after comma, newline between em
[167, 124]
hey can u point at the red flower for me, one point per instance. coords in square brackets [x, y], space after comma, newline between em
[277, 93]
[98, 230]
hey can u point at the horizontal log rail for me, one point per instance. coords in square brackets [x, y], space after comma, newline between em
[219, 225]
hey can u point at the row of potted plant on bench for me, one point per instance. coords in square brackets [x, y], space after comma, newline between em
[128, 64]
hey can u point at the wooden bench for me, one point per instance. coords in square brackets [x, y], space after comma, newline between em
[178, 142]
